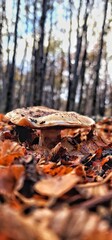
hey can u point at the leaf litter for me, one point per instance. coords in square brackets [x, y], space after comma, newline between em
[64, 192]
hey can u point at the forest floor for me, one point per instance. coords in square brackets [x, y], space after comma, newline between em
[63, 193]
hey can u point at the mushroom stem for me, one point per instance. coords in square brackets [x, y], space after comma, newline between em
[50, 137]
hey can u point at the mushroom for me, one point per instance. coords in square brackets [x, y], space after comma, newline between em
[49, 121]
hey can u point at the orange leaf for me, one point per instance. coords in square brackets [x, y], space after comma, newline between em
[104, 160]
[17, 170]
[80, 170]
[1, 117]
[52, 169]
[9, 177]
[3, 236]
[99, 152]
[9, 151]
[7, 181]
[15, 204]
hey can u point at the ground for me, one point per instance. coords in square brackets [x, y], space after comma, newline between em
[64, 192]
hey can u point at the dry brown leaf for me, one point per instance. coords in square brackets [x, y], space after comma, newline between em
[9, 151]
[95, 184]
[7, 181]
[98, 235]
[93, 191]
[4, 237]
[17, 227]
[77, 224]
[81, 160]
[10, 178]
[56, 186]
[53, 169]
[17, 170]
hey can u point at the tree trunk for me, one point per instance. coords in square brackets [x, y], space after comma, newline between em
[102, 104]
[73, 85]
[39, 59]
[69, 58]
[98, 64]
[52, 79]
[77, 58]
[8, 51]
[82, 72]
[21, 87]
[22, 92]
[82, 77]
[61, 80]
[49, 40]
[110, 99]
[74, 82]
[10, 90]
[2, 15]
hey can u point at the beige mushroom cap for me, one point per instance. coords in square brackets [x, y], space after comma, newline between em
[43, 117]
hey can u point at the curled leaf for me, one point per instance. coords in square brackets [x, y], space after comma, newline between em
[10, 178]
[9, 151]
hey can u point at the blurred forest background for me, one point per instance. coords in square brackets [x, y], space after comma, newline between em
[56, 53]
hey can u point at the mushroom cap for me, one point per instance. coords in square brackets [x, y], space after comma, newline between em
[43, 117]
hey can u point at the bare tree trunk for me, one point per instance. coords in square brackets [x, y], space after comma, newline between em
[98, 64]
[33, 74]
[85, 103]
[82, 77]
[21, 98]
[8, 50]
[39, 58]
[61, 80]
[82, 72]
[49, 40]
[102, 104]
[10, 90]
[21, 87]
[77, 57]
[49, 94]
[2, 15]
[2, 11]
[69, 58]
[110, 99]
[74, 82]
[52, 78]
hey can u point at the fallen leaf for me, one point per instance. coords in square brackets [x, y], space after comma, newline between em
[95, 184]
[9, 151]
[3, 236]
[53, 169]
[17, 170]
[17, 227]
[56, 186]
[9, 179]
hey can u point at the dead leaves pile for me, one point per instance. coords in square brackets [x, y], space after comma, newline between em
[61, 193]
